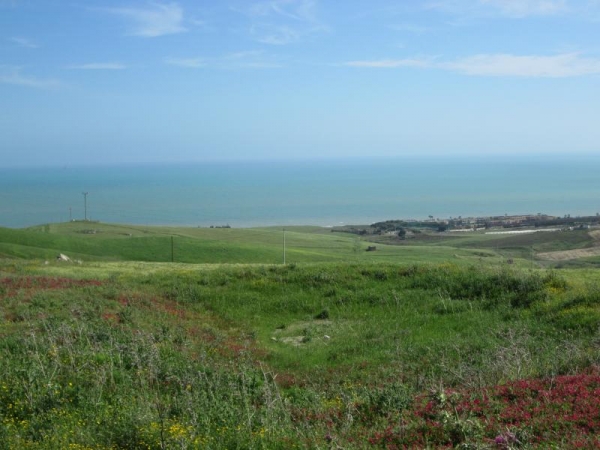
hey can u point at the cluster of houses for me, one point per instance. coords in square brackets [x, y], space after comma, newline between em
[522, 221]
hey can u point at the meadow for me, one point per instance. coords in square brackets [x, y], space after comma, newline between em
[439, 343]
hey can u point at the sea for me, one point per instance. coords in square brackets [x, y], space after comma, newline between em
[285, 193]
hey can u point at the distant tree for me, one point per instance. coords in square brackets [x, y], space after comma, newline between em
[402, 233]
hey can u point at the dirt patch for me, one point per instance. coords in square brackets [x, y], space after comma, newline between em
[300, 326]
[565, 255]
[595, 235]
[295, 341]
[303, 332]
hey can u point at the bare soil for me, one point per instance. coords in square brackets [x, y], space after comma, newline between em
[564, 255]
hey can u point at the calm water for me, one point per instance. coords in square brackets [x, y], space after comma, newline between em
[321, 193]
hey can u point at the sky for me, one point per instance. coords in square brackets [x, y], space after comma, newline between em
[111, 82]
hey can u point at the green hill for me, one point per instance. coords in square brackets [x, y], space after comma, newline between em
[92, 241]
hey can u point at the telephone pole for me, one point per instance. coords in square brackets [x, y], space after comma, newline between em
[85, 194]
[284, 246]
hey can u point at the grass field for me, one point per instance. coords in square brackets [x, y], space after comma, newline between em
[411, 346]
[90, 241]
[93, 241]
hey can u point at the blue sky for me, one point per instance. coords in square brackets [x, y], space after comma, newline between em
[88, 82]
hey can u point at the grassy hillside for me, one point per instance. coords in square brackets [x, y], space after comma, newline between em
[90, 241]
[156, 355]
[537, 242]
[93, 241]
[438, 341]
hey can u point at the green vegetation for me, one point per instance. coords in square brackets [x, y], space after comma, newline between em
[93, 241]
[409, 346]
[90, 241]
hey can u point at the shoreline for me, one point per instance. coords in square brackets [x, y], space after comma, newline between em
[459, 224]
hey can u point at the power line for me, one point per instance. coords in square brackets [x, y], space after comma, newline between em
[85, 194]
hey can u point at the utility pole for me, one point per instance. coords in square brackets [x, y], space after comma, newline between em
[85, 194]
[284, 246]
[172, 250]
[70, 215]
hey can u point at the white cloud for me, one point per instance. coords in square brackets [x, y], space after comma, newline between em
[253, 59]
[191, 63]
[12, 75]
[499, 65]
[244, 54]
[558, 66]
[507, 8]
[24, 42]
[198, 23]
[99, 66]
[275, 34]
[389, 63]
[410, 28]
[239, 60]
[299, 10]
[524, 8]
[153, 21]
[281, 22]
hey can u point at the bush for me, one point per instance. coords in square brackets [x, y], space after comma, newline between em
[512, 288]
